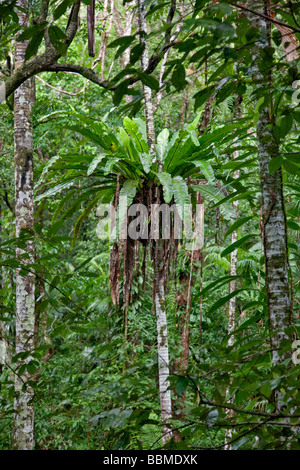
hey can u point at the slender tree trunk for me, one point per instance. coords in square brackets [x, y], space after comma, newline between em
[162, 341]
[144, 65]
[2, 327]
[164, 62]
[129, 17]
[233, 257]
[25, 284]
[5, 347]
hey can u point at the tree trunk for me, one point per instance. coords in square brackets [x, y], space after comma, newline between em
[273, 212]
[162, 344]
[129, 17]
[25, 284]
[144, 64]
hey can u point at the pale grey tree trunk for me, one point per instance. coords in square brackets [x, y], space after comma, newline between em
[23, 438]
[163, 361]
[129, 17]
[105, 34]
[144, 64]
[165, 58]
[233, 269]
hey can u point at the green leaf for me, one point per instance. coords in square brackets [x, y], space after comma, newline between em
[120, 91]
[238, 223]
[47, 167]
[146, 160]
[129, 190]
[91, 135]
[224, 300]
[124, 40]
[275, 163]
[55, 190]
[293, 225]
[206, 169]
[61, 8]
[240, 442]
[149, 81]
[133, 129]
[237, 244]
[284, 124]
[181, 193]
[202, 96]
[291, 167]
[85, 213]
[212, 193]
[29, 32]
[181, 385]
[236, 165]
[162, 144]
[34, 44]
[256, 112]
[94, 164]
[57, 36]
[166, 181]
[182, 145]
[178, 77]
[222, 280]
[136, 53]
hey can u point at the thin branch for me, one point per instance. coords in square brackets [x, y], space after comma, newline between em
[58, 89]
[266, 17]
[78, 69]
[249, 412]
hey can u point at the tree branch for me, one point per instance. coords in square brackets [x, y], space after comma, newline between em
[78, 69]
[47, 62]
[266, 17]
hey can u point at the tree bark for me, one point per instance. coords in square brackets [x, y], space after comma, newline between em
[23, 438]
[273, 211]
[162, 343]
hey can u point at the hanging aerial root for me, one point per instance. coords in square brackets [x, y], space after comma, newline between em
[91, 28]
[115, 272]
